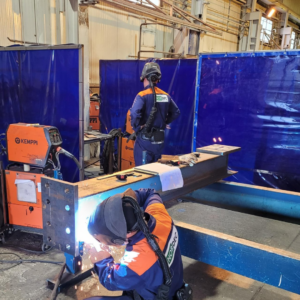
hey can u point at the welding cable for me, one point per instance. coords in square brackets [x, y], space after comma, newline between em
[52, 163]
[27, 250]
[20, 261]
[30, 261]
[58, 161]
[10, 253]
[70, 155]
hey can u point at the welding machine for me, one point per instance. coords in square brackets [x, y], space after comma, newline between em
[33, 151]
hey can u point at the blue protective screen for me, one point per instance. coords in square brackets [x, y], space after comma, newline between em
[253, 101]
[42, 86]
[119, 84]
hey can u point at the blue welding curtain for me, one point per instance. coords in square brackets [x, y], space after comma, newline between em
[119, 84]
[253, 101]
[42, 86]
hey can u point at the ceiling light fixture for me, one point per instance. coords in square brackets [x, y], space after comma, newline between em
[270, 11]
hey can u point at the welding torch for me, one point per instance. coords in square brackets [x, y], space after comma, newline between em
[68, 154]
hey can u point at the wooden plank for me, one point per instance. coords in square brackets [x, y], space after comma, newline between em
[104, 183]
[218, 149]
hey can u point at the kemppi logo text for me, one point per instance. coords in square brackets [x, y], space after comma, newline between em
[128, 148]
[25, 141]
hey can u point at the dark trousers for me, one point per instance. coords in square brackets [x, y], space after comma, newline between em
[154, 151]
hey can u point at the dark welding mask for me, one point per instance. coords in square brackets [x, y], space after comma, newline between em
[113, 219]
[151, 71]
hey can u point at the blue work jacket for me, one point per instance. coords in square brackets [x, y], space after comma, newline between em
[167, 110]
[140, 269]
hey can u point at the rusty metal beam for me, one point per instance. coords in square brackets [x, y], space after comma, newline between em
[159, 15]
[185, 12]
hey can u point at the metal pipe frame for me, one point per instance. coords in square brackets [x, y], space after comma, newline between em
[140, 38]
[157, 14]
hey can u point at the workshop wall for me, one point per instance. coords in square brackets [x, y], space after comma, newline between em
[120, 84]
[119, 36]
[42, 86]
[253, 101]
[10, 22]
[27, 20]
[225, 16]
[293, 5]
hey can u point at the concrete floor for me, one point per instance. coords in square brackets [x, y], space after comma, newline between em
[28, 281]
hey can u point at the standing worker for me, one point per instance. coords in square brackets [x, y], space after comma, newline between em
[151, 113]
[151, 268]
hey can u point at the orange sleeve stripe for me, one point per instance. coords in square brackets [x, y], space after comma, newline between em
[163, 223]
[149, 92]
[159, 91]
[145, 92]
[146, 259]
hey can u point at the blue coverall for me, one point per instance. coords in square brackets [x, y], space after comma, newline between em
[140, 269]
[139, 112]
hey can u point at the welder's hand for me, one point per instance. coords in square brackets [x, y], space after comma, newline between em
[96, 256]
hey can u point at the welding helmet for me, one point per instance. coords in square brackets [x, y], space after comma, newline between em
[113, 219]
[151, 71]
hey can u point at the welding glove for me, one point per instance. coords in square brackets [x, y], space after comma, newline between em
[189, 159]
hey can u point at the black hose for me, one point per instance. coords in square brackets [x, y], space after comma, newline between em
[151, 118]
[109, 148]
[70, 155]
[151, 240]
[20, 261]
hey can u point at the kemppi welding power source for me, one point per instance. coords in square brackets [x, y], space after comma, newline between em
[33, 151]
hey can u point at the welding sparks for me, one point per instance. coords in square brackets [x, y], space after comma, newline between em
[215, 140]
[108, 276]
[220, 140]
[79, 263]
